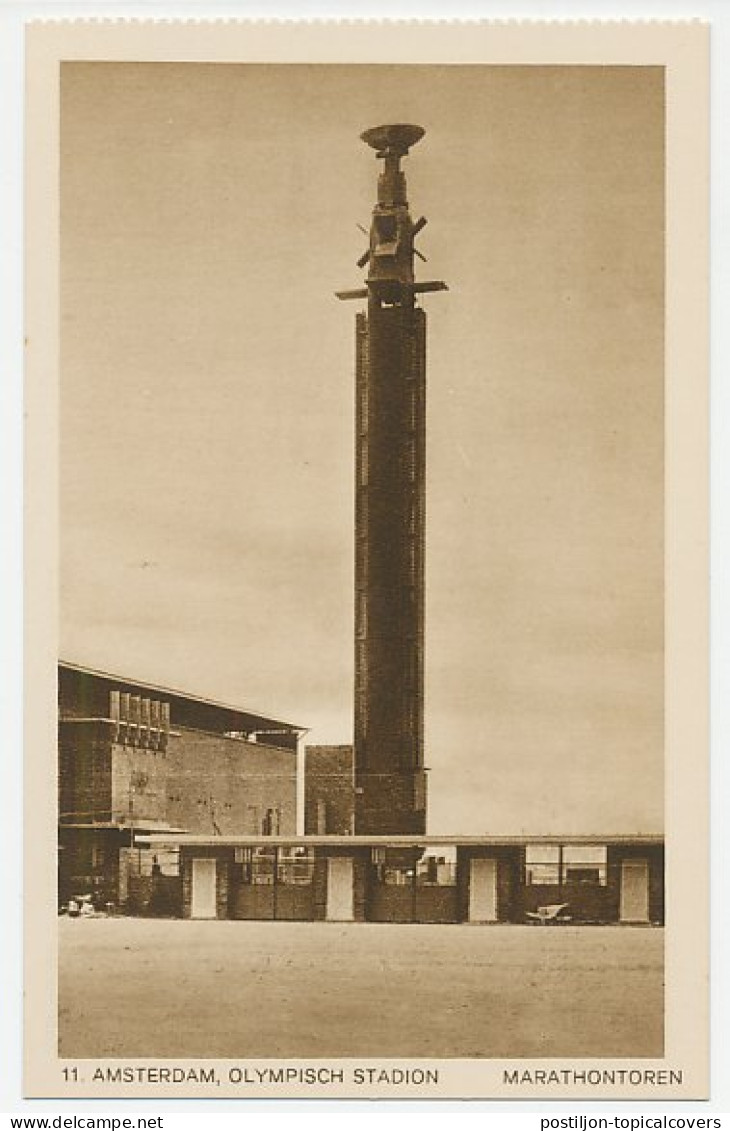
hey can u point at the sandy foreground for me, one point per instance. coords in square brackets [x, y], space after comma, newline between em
[173, 988]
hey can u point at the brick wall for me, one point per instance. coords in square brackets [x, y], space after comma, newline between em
[361, 870]
[388, 802]
[587, 902]
[205, 783]
[89, 862]
[329, 797]
[85, 771]
[82, 695]
[155, 896]
[138, 784]
[319, 882]
[226, 786]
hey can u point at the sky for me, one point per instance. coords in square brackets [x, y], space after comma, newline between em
[208, 214]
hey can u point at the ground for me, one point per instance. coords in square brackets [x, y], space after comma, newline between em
[174, 988]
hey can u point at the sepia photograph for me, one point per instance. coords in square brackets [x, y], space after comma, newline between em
[362, 631]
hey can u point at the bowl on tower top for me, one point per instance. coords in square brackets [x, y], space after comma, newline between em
[394, 140]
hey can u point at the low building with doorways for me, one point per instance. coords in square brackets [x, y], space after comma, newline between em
[141, 758]
[429, 879]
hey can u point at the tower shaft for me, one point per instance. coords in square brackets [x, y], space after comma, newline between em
[389, 569]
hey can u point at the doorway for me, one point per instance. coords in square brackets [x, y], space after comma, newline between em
[634, 891]
[340, 901]
[203, 901]
[483, 890]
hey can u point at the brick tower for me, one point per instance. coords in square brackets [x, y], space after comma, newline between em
[390, 778]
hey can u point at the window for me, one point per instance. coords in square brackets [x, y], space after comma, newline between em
[363, 407]
[579, 875]
[255, 865]
[553, 865]
[436, 871]
[264, 867]
[412, 408]
[585, 864]
[168, 860]
[271, 822]
[412, 560]
[411, 460]
[361, 657]
[386, 233]
[419, 780]
[395, 877]
[542, 864]
[361, 626]
[295, 867]
[362, 520]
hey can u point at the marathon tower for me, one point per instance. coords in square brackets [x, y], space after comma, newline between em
[390, 778]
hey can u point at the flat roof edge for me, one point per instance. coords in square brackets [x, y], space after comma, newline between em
[196, 840]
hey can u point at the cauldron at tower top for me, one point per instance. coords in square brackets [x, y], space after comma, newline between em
[393, 141]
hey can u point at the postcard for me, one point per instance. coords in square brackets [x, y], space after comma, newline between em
[366, 510]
